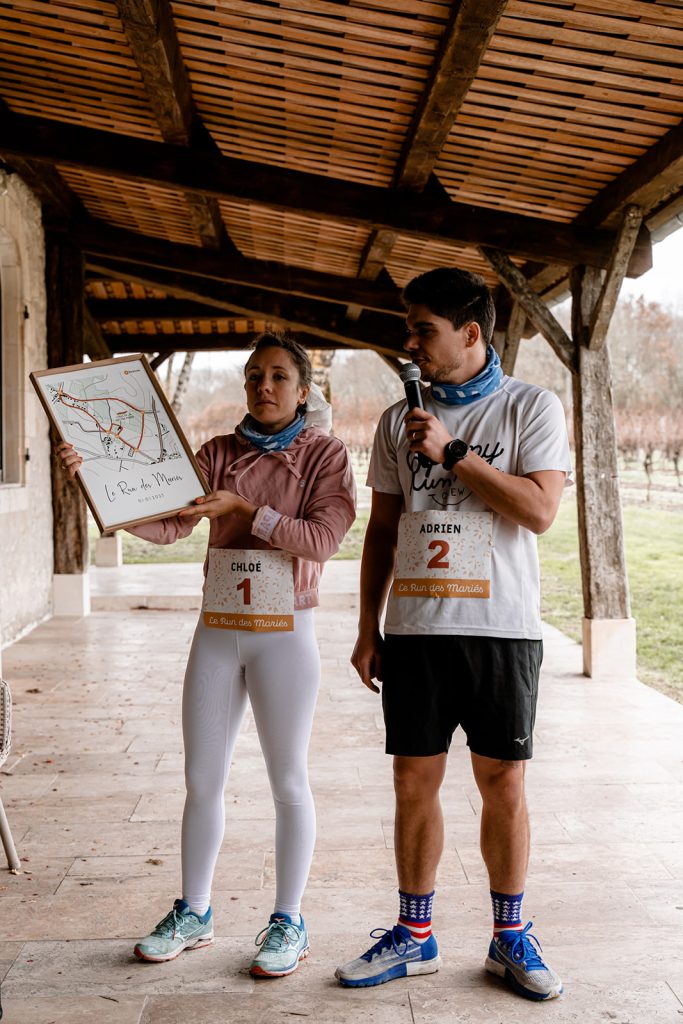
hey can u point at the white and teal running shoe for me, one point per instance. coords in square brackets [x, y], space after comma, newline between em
[515, 957]
[283, 944]
[396, 955]
[179, 930]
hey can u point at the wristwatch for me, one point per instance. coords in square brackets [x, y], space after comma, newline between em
[453, 452]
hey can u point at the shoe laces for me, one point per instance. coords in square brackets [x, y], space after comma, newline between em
[167, 928]
[521, 949]
[388, 938]
[271, 937]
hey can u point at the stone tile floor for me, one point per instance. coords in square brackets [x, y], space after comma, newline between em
[93, 791]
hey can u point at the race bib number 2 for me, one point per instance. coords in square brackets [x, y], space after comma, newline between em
[444, 554]
[249, 590]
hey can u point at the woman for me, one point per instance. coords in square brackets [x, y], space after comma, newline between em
[278, 486]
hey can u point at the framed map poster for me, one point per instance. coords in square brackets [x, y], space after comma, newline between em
[137, 463]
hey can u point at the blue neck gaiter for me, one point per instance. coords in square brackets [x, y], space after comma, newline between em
[485, 383]
[271, 442]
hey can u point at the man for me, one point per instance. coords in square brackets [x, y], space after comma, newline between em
[460, 489]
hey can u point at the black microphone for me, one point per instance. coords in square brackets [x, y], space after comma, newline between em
[410, 378]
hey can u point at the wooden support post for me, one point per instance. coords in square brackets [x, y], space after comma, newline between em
[608, 629]
[65, 312]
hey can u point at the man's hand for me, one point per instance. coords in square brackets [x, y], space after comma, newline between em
[220, 503]
[426, 434]
[367, 659]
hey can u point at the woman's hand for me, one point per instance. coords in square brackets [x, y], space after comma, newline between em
[220, 503]
[71, 461]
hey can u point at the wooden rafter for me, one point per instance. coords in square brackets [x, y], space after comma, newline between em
[151, 32]
[218, 341]
[464, 44]
[100, 239]
[308, 194]
[60, 203]
[378, 331]
[469, 30]
[148, 24]
[539, 314]
[648, 182]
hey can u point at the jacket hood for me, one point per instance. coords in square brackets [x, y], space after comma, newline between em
[248, 456]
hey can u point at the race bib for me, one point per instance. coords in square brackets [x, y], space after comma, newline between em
[249, 590]
[444, 554]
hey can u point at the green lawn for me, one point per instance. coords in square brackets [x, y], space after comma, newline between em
[654, 555]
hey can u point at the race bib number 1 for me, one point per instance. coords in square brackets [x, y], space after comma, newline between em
[249, 590]
[444, 554]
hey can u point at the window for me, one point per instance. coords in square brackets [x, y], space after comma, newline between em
[11, 377]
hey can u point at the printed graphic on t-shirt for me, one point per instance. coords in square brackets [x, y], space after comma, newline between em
[249, 590]
[440, 486]
[444, 554]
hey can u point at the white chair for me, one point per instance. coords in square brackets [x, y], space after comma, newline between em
[5, 739]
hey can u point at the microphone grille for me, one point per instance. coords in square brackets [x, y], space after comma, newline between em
[409, 372]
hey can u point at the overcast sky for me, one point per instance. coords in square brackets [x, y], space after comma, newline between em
[664, 283]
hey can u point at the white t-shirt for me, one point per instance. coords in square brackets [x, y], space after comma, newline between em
[518, 429]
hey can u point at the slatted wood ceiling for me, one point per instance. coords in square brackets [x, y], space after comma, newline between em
[567, 96]
[540, 133]
[69, 60]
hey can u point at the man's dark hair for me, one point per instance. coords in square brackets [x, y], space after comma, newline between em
[282, 339]
[456, 295]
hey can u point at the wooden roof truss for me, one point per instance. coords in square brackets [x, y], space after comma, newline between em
[297, 163]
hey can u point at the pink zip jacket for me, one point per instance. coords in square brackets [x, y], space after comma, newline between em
[306, 496]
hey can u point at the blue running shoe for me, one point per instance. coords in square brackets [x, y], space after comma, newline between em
[396, 955]
[179, 930]
[515, 957]
[283, 944]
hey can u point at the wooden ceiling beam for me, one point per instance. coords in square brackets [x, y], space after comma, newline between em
[379, 332]
[60, 203]
[466, 38]
[653, 183]
[648, 183]
[228, 341]
[148, 24]
[311, 195]
[110, 310]
[99, 239]
[463, 45]
[151, 32]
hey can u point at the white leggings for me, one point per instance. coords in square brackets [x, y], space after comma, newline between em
[280, 673]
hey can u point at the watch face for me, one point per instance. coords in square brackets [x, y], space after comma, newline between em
[455, 451]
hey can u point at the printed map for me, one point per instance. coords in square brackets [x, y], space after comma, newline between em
[113, 415]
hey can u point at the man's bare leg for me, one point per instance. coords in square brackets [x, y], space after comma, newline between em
[418, 836]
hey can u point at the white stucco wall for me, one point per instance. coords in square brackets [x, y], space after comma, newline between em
[26, 501]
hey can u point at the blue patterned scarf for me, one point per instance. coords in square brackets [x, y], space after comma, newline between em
[271, 442]
[485, 383]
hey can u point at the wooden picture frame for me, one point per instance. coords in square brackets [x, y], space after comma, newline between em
[136, 458]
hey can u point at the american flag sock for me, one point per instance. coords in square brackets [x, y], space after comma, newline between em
[507, 912]
[415, 914]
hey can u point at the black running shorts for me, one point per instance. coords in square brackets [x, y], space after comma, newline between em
[434, 683]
